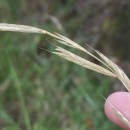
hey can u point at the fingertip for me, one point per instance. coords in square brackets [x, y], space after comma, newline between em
[121, 101]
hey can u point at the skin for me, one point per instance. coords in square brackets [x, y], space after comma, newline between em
[121, 101]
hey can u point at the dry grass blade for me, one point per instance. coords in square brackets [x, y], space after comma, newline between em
[112, 69]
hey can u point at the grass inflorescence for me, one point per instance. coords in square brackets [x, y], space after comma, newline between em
[107, 67]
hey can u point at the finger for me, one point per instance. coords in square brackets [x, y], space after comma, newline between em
[120, 100]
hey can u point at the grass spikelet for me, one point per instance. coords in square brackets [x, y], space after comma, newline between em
[110, 69]
[80, 61]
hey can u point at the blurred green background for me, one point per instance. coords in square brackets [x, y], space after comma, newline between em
[40, 91]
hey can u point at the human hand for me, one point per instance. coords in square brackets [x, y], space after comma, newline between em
[121, 101]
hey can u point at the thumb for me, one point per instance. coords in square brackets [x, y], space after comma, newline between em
[121, 101]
